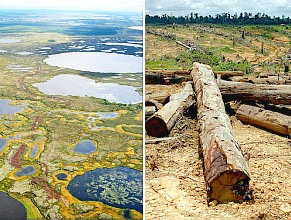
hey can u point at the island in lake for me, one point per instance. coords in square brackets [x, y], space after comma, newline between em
[71, 114]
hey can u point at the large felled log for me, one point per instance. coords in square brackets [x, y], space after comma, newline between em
[275, 94]
[270, 120]
[160, 124]
[226, 170]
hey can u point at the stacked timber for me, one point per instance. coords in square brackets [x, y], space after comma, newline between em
[161, 123]
[226, 170]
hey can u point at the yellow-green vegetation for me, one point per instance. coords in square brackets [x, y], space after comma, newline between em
[50, 125]
[260, 49]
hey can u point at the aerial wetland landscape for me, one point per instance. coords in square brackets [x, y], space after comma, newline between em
[71, 114]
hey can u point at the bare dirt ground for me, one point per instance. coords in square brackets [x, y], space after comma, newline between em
[175, 186]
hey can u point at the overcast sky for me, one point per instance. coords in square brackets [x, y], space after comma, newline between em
[100, 5]
[213, 7]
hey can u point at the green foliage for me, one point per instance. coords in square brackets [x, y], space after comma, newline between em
[244, 66]
[6, 184]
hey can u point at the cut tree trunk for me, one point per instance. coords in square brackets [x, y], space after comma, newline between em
[226, 170]
[161, 123]
[161, 97]
[149, 111]
[269, 120]
[275, 94]
[154, 103]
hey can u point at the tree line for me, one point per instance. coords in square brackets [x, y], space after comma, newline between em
[244, 18]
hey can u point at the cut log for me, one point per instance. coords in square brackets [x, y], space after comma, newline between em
[275, 94]
[149, 111]
[226, 170]
[165, 79]
[154, 103]
[161, 123]
[161, 97]
[269, 120]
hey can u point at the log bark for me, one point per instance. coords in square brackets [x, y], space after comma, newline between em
[161, 123]
[275, 94]
[269, 120]
[161, 97]
[226, 170]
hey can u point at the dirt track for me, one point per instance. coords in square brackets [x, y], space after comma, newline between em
[175, 188]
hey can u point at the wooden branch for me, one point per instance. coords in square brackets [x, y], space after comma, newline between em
[275, 94]
[269, 120]
[160, 124]
[226, 170]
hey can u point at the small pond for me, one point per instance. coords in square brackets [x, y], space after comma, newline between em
[61, 176]
[6, 108]
[97, 62]
[3, 143]
[26, 171]
[24, 53]
[119, 187]
[82, 86]
[107, 115]
[34, 151]
[84, 147]
[11, 208]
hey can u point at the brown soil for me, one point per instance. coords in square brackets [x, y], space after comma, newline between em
[175, 186]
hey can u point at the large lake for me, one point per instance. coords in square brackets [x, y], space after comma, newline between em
[82, 86]
[97, 62]
[120, 187]
[10, 208]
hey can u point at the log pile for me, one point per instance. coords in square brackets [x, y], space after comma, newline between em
[262, 105]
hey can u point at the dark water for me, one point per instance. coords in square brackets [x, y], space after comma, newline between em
[5, 108]
[26, 171]
[61, 176]
[84, 147]
[10, 208]
[119, 187]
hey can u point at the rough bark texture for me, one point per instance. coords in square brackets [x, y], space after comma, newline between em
[276, 94]
[160, 124]
[270, 120]
[226, 170]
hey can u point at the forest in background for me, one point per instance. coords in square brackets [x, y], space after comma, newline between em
[243, 18]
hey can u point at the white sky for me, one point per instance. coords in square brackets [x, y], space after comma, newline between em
[98, 5]
[213, 7]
